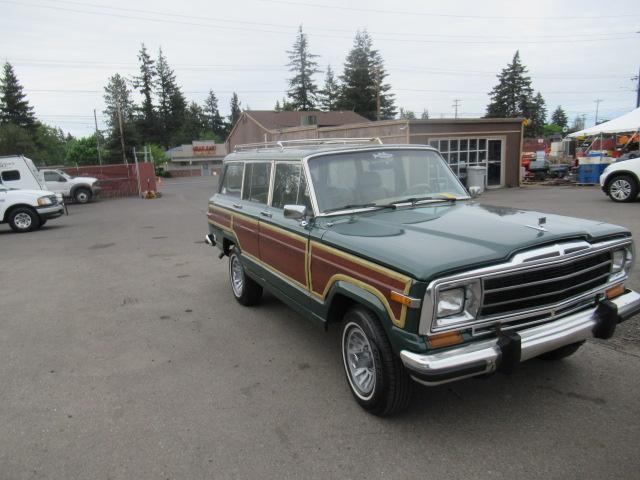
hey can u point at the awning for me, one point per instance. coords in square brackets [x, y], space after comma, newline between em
[629, 122]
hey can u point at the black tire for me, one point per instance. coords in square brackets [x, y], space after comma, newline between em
[622, 188]
[391, 389]
[82, 195]
[24, 219]
[43, 222]
[562, 352]
[248, 292]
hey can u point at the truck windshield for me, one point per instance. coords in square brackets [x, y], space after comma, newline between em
[382, 176]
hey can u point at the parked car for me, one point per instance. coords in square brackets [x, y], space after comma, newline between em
[621, 180]
[81, 189]
[27, 210]
[19, 172]
[424, 282]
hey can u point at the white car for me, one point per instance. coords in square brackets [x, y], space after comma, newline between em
[27, 210]
[81, 189]
[621, 180]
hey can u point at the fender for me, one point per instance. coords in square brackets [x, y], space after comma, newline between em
[75, 187]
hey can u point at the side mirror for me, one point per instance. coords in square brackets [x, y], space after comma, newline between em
[475, 191]
[295, 212]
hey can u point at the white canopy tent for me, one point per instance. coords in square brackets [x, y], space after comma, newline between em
[629, 122]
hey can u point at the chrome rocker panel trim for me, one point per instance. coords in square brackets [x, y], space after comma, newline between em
[506, 351]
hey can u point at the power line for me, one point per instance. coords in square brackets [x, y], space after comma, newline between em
[290, 26]
[446, 15]
[254, 30]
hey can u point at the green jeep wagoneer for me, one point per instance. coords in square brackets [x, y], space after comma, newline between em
[425, 283]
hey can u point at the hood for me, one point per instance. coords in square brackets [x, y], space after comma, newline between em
[443, 238]
[88, 180]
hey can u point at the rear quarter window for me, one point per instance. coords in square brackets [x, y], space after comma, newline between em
[10, 175]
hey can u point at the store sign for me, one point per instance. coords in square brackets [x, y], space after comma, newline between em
[204, 148]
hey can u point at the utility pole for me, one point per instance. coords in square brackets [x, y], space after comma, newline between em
[456, 104]
[637, 78]
[119, 111]
[377, 80]
[95, 119]
[597, 102]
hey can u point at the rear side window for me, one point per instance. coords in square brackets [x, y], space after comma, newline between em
[289, 186]
[232, 181]
[256, 182]
[10, 175]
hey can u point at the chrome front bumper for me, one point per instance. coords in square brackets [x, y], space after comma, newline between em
[511, 348]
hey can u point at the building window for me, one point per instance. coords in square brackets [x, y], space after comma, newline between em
[462, 152]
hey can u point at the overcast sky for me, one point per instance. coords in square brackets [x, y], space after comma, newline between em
[435, 52]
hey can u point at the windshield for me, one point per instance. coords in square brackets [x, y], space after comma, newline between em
[379, 177]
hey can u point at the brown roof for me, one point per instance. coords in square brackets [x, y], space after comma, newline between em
[276, 120]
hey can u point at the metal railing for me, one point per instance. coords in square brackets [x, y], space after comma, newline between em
[282, 145]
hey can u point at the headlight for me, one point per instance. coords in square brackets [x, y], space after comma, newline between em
[458, 304]
[621, 262]
[42, 201]
[450, 302]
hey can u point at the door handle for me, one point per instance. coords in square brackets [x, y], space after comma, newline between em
[237, 205]
[264, 213]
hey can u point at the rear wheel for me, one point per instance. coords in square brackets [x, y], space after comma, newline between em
[376, 376]
[23, 220]
[623, 188]
[245, 290]
[562, 352]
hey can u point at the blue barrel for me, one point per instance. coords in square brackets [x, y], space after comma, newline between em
[590, 173]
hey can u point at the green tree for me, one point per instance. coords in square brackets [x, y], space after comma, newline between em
[16, 140]
[512, 96]
[194, 123]
[171, 102]
[302, 89]
[330, 93]
[117, 98]
[14, 108]
[277, 107]
[145, 83]
[84, 151]
[363, 88]
[214, 120]
[158, 154]
[537, 114]
[406, 114]
[551, 129]
[236, 111]
[45, 145]
[559, 117]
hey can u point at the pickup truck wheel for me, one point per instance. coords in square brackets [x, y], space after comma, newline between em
[82, 195]
[562, 352]
[245, 290]
[24, 219]
[377, 377]
[623, 188]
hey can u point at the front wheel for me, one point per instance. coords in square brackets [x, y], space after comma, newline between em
[23, 220]
[623, 188]
[245, 290]
[82, 195]
[376, 376]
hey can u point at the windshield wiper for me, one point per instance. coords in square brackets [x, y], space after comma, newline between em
[414, 200]
[360, 205]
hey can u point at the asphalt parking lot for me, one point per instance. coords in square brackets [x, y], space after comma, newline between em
[124, 356]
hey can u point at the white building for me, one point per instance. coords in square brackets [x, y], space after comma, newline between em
[200, 158]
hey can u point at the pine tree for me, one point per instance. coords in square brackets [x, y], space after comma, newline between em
[513, 95]
[363, 88]
[537, 114]
[277, 107]
[302, 89]
[559, 117]
[117, 97]
[14, 108]
[330, 93]
[145, 83]
[195, 123]
[214, 121]
[171, 102]
[235, 110]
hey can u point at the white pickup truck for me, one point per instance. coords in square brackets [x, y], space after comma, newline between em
[27, 210]
[81, 189]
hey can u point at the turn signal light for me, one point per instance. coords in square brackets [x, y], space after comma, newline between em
[405, 300]
[614, 292]
[445, 339]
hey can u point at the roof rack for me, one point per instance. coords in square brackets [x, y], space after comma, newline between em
[306, 143]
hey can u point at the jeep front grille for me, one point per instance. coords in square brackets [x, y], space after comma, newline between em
[511, 292]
